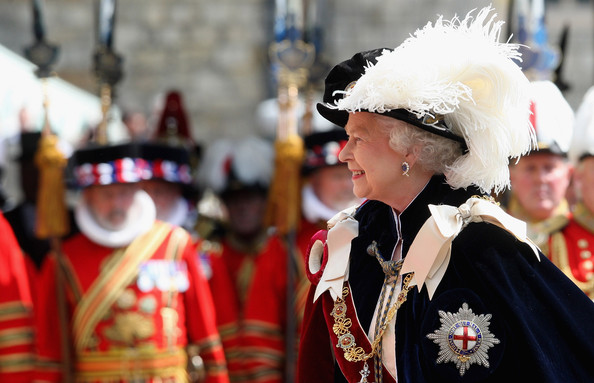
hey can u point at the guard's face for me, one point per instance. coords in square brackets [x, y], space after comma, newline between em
[110, 204]
[334, 187]
[374, 165]
[539, 182]
[164, 194]
[585, 182]
[246, 211]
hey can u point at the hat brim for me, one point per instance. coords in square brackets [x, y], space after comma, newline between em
[341, 117]
[335, 116]
[554, 148]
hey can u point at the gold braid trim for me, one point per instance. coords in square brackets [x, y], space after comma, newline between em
[120, 271]
[229, 330]
[263, 329]
[16, 337]
[132, 364]
[560, 257]
[584, 217]
[17, 362]
[210, 343]
[342, 324]
[14, 310]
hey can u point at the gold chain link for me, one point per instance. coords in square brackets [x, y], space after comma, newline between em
[352, 352]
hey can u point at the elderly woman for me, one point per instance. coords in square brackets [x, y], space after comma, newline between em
[429, 280]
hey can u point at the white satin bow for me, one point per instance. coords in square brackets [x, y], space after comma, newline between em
[343, 228]
[429, 254]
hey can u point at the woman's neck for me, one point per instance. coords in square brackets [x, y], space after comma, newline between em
[409, 190]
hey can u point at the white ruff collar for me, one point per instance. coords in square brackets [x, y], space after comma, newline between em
[141, 218]
[313, 209]
[178, 214]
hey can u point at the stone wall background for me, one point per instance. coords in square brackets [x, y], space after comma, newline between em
[216, 52]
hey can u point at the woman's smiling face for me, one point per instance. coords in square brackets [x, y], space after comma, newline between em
[375, 166]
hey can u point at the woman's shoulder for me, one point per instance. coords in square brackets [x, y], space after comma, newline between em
[482, 240]
[371, 210]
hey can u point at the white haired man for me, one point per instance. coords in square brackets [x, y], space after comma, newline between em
[540, 180]
[137, 305]
[572, 248]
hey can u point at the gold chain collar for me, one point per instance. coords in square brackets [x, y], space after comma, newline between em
[342, 324]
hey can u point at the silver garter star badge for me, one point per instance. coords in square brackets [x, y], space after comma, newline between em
[463, 338]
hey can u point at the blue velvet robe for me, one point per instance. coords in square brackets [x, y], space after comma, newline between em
[544, 323]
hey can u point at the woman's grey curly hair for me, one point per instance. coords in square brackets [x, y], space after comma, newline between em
[437, 153]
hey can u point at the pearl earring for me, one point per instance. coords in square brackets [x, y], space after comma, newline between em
[405, 169]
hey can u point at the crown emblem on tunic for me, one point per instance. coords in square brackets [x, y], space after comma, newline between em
[463, 338]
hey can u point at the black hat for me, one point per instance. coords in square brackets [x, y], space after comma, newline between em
[171, 155]
[322, 149]
[165, 162]
[170, 163]
[453, 78]
[344, 76]
[106, 164]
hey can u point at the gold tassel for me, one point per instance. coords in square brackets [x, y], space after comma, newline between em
[52, 217]
[284, 198]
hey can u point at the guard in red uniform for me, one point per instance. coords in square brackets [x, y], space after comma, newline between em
[248, 262]
[327, 190]
[16, 311]
[170, 159]
[572, 249]
[540, 180]
[137, 305]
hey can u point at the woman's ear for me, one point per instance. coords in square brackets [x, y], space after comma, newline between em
[412, 155]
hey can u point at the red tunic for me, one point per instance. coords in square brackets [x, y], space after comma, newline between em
[572, 250]
[16, 318]
[249, 291]
[306, 231]
[132, 311]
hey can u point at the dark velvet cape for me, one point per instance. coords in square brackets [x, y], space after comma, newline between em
[544, 323]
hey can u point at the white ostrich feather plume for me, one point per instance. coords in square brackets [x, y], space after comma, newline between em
[459, 69]
[251, 159]
[212, 167]
[583, 138]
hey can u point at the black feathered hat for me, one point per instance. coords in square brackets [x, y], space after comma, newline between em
[345, 75]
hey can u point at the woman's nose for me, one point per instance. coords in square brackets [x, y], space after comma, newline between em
[345, 152]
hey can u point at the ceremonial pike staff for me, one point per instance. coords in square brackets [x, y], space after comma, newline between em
[314, 35]
[52, 216]
[540, 59]
[107, 64]
[292, 57]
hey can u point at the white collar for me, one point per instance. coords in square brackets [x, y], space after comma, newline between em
[141, 218]
[313, 209]
[178, 214]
